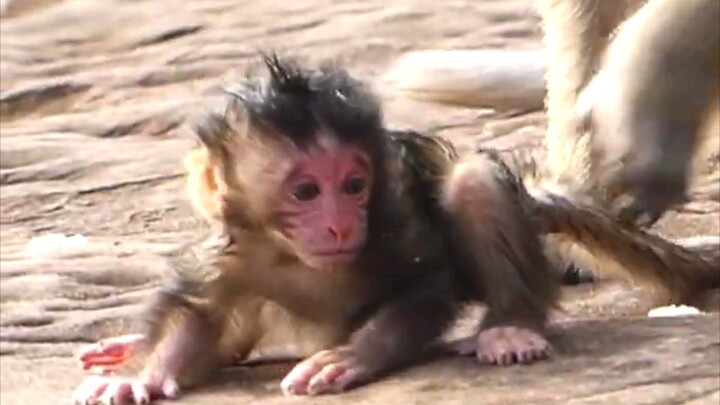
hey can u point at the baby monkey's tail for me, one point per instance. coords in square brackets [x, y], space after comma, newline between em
[596, 239]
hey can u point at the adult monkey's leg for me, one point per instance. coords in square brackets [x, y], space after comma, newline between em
[576, 33]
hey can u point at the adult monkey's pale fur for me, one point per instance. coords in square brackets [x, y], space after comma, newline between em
[638, 90]
[654, 101]
[576, 33]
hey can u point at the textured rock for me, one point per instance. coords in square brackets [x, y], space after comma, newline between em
[95, 102]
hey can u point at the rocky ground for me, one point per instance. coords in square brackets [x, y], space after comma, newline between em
[95, 101]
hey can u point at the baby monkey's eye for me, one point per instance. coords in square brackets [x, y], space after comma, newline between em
[354, 186]
[306, 191]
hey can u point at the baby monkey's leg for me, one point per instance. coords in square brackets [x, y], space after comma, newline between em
[498, 249]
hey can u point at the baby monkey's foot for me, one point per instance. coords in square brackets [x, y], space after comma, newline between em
[504, 346]
[328, 371]
[108, 355]
[101, 390]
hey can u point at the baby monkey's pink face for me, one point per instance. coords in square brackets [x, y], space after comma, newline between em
[323, 204]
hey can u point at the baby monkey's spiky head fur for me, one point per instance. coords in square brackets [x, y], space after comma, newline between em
[298, 103]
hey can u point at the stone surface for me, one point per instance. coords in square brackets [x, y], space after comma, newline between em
[96, 98]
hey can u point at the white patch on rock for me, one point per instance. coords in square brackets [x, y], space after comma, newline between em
[56, 245]
[673, 310]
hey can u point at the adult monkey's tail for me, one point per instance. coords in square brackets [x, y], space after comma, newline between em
[503, 80]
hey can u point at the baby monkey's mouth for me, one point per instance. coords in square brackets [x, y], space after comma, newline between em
[337, 256]
[338, 252]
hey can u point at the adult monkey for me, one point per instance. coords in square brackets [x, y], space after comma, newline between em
[641, 121]
[647, 111]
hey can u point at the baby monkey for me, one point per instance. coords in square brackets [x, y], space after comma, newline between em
[350, 243]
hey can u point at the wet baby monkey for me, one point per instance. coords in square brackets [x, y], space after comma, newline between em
[353, 244]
